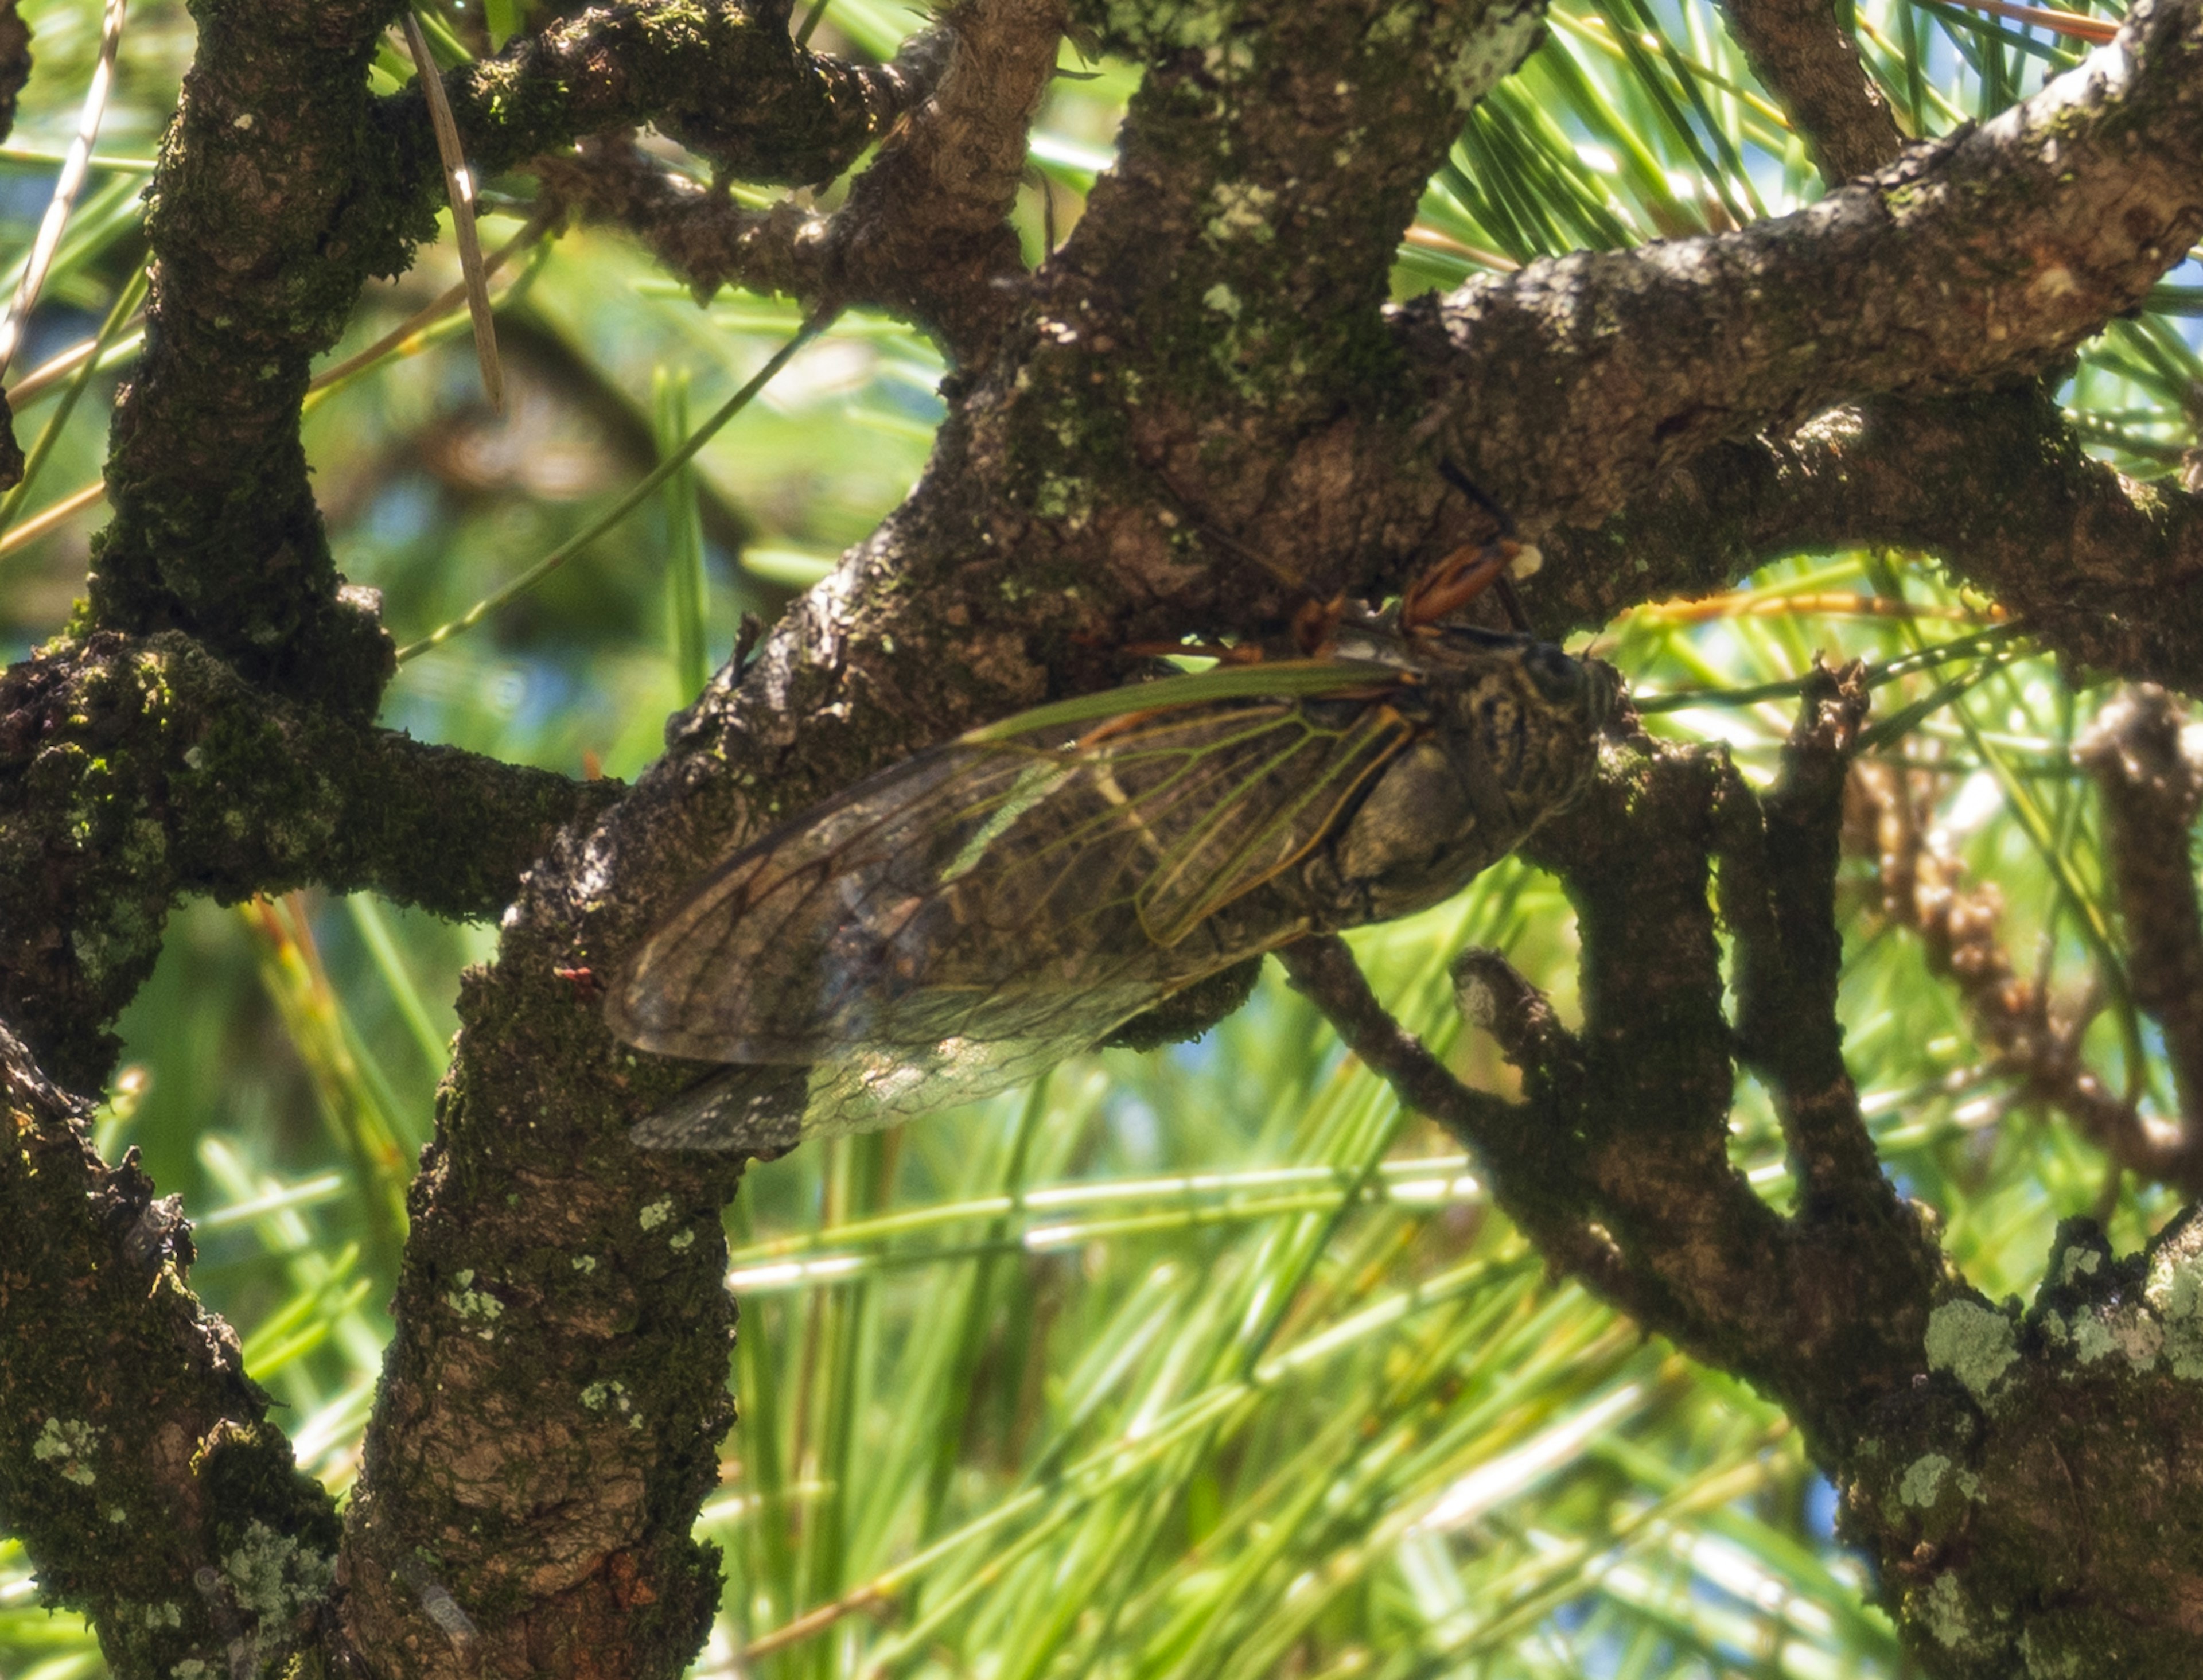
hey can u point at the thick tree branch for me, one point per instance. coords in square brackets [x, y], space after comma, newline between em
[1805, 58]
[925, 232]
[2105, 569]
[137, 1462]
[132, 772]
[1825, 1307]
[1777, 857]
[214, 529]
[1571, 387]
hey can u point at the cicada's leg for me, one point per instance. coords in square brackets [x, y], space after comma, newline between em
[1461, 577]
[1520, 561]
[1316, 625]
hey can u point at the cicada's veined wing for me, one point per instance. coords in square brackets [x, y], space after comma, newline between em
[1000, 901]
[755, 1111]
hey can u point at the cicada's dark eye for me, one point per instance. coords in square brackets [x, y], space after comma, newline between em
[1559, 678]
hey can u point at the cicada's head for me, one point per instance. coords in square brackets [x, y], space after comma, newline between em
[1528, 715]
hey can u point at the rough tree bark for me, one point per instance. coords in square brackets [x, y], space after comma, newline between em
[1213, 350]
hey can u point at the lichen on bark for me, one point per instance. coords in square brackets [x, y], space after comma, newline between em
[1206, 373]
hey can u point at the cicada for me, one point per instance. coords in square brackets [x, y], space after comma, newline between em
[959, 922]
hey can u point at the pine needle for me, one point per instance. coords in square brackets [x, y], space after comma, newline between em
[459, 187]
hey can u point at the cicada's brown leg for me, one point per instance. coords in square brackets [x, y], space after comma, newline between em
[1502, 581]
[1460, 578]
[1316, 625]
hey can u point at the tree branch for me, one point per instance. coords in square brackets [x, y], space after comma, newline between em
[1617, 1165]
[132, 772]
[2105, 569]
[2148, 764]
[702, 236]
[1960, 930]
[1521, 1164]
[925, 233]
[1811, 64]
[722, 78]
[283, 187]
[1824, 1309]
[1571, 387]
[137, 1462]
[699, 232]
[1950, 1427]
[1777, 858]
[214, 526]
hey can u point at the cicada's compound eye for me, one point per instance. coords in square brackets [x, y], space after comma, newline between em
[1559, 678]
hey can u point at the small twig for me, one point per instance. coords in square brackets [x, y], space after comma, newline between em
[67, 185]
[1323, 970]
[2150, 771]
[459, 186]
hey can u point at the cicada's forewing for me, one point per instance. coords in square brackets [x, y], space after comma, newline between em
[988, 908]
[776, 956]
[743, 1110]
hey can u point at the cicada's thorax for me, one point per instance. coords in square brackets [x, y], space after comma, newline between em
[1509, 731]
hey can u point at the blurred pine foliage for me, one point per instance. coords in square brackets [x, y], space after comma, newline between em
[1208, 1364]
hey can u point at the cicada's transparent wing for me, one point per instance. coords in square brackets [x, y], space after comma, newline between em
[996, 904]
[774, 957]
[754, 1111]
